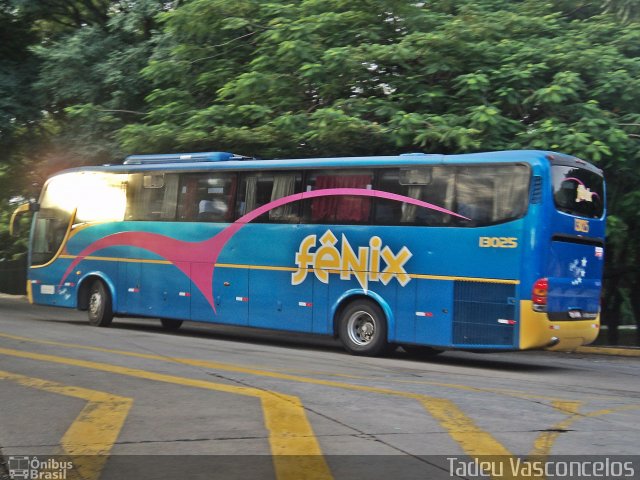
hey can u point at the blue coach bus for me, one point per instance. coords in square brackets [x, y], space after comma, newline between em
[489, 251]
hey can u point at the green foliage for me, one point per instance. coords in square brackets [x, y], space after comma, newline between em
[18, 106]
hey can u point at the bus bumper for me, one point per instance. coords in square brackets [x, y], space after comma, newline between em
[29, 292]
[537, 331]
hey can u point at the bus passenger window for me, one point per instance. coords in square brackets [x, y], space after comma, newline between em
[207, 197]
[339, 208]
[428, 184]
[152, 196]
[260, 188]
[490, 195]
[285, 185]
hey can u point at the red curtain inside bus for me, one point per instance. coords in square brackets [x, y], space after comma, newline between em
[341, 208]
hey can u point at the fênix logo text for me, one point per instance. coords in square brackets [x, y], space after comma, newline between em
[34, 468]
[374, 263]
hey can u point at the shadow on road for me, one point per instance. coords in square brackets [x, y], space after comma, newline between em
[502, 361]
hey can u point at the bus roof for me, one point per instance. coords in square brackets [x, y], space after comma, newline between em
[227, 161]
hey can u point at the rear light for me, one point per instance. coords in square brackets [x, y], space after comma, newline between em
[539, 295]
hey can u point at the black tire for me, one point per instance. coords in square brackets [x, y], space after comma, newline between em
[170, 324]
[363, 328]
[421, 351]
[100, 307]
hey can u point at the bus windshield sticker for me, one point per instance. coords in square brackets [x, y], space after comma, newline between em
[584, 194]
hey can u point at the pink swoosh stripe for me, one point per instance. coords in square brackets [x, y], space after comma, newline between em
[207, 252]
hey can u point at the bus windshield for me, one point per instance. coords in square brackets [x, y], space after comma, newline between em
[578, 191]
[92, 196]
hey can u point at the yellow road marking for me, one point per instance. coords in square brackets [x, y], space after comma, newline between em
[543, 443]
[95, 429]
[447, 413]
[270, 373]
[475, 442]
[295, 448]
[454, 386]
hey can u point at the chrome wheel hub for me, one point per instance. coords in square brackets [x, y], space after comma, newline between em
[361, 328]
[95, 302]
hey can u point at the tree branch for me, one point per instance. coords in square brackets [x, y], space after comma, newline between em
[133, 112]
[221, 45]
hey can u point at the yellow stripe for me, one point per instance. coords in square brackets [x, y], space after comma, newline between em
[295, 448]
[295, 269]
[94, 431]
[465, 279]
[256, 267]
[118, 259]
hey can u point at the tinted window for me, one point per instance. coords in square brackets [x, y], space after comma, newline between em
[152, 196]
[433, 185]
[260, 188]
[207, 197]
[578, 191]
[484, 194]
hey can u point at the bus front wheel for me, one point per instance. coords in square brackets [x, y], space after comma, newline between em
[363, 328]
[100, 308]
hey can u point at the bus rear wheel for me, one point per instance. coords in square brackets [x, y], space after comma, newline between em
[100, 308]
[170, 324]
[363, 328]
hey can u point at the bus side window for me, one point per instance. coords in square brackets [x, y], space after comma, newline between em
[428, 184]
[207, 197]
[285, 185]
[152, 196]
[341, 209]
[490, 195]
[389, 212]
[260, 188]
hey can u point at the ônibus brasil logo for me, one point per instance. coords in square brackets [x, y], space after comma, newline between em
[374, 263]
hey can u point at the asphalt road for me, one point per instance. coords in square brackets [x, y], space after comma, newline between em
[134, 401]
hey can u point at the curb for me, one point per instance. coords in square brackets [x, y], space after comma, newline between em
[620, 352]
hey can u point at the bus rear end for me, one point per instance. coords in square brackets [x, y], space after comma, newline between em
[564, 310]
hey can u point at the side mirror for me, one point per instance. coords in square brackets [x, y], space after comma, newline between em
[14, 227]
